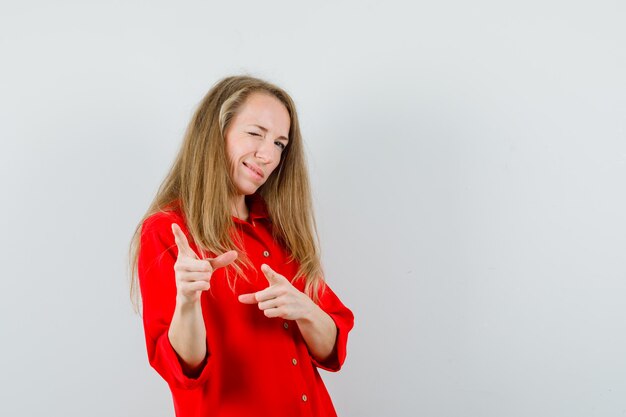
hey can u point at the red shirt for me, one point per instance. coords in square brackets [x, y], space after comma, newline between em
[256, 366]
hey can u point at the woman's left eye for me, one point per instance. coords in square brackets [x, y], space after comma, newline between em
[280, 144]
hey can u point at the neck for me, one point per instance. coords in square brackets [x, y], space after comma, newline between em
[239, 208]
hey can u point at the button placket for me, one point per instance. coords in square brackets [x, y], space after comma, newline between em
[264, 250]
[299, 381]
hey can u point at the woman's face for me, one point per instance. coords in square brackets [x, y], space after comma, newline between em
[255, 139]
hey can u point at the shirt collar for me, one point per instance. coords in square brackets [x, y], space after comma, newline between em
[256, 206]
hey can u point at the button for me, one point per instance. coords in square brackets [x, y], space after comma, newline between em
[266, 253]
[294, 361]
[286, 325]
[304, 398]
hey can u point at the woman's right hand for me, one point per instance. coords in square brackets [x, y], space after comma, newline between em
[193, 275]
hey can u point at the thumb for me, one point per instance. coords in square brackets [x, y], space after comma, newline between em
[224, 259]
[272, 276]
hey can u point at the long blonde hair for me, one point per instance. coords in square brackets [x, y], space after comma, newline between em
[200, 182]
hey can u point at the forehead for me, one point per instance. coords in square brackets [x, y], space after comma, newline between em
[267, 111]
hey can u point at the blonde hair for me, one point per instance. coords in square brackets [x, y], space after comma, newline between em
[200, 182]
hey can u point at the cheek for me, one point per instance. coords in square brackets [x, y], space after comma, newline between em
[229, 151]
[231, 160]
[233, 154]
[275, 169]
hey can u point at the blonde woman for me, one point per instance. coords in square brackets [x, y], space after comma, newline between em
[236, 312]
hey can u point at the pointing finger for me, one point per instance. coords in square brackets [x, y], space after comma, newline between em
[247, 298]
[182, 243]
[272, 276]
[224, 259]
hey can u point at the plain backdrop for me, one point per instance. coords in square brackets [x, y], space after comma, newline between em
[468, 162]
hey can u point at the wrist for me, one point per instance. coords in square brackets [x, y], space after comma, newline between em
[310, 314]
[187, 304]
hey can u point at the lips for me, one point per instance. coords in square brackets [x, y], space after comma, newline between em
[255, 169]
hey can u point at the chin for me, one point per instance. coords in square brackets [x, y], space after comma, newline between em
[247, 190]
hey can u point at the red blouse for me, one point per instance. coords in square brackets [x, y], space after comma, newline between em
[256, 366]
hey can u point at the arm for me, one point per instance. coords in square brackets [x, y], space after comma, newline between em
[187, 335]
[343, 319]
[173, 322]
[324, 327]
[157, 257]
[319, 332]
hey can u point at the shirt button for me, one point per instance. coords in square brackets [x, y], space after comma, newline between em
[286, 325]
[266, 253]
[304, 398]
[294, 361]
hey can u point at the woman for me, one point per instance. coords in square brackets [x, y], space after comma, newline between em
[236, 312]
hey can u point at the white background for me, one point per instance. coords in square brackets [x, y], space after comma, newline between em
[468, 162]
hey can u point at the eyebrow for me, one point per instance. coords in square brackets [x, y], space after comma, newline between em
[265, 130]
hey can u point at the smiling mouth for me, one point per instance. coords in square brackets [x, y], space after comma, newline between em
[260, 174]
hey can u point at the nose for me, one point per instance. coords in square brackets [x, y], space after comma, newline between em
[264, 151]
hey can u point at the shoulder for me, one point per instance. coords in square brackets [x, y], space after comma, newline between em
[162, 221]
[156, 229]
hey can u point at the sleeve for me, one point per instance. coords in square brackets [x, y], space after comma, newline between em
[344, 320]
[155, 267]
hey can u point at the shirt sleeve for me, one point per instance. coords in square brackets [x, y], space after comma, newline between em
[155, 266]
[344, 320]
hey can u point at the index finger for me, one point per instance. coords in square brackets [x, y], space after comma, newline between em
[223, 260]
[272, 276]
[182, 243]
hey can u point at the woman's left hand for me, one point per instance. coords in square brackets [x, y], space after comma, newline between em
[280, 299]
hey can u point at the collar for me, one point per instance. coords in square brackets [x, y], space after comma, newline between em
[257, 208]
